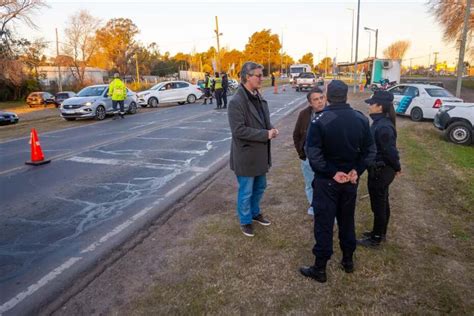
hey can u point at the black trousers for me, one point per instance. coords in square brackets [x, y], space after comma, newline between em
[218, 93]
[224, 97]
[378, 185]
[333, 200]
[121, 104]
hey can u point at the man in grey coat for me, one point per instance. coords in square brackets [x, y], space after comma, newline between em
[250, 157]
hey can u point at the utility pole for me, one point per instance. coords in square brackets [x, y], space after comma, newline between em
[462, 48]
[269, 59]
[376, 41]
[218, 45]
[410, 65]
[136, 67]
[357, 47]
[281, 55]
[60, 83]
[326, 71]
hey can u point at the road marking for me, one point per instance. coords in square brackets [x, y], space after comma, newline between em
[35, 287]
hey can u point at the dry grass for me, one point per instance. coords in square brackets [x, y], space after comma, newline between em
[426, 266]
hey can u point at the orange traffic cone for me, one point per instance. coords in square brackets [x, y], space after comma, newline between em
[37, 157]
[275, 88]
[361, 87]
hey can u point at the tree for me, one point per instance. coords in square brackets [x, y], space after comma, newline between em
[450, 14]
[80, 42]
[263, 47]
[307, 59]
[396, 50]
[12, 11]
[325, 65]
[117, 40]
[34, 55]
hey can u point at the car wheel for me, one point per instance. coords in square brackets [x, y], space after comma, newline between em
[416, 114]
[70, 118]
[132, 109]
[153, 102]
[191, 98]
[100, 113]
[459, 133]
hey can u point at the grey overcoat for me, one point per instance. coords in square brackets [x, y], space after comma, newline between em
[250, 149]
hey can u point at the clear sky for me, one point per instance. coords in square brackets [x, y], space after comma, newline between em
[307, 26]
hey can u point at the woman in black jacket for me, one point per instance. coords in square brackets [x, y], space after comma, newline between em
[386, 167]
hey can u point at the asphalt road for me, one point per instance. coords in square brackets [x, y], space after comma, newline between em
[106, 181]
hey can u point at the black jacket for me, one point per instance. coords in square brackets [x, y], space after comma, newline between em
[339, 139]
[385, 137]
[301, 128]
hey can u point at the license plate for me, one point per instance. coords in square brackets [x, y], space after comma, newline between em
[69, 111]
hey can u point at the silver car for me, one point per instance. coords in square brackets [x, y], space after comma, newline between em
[93, 102]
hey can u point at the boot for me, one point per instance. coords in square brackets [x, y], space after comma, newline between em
[205, 101]
[115, 116]
[370, 242]
[316, 272]
[347, 264]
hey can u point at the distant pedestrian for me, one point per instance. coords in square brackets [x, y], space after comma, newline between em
[339, 147]
[218, 90]
[273, 80]
[207, 89]
[368, 78]
[118, 93]
[225, 87]
[316, 104]
[250, 156]
[386, 167]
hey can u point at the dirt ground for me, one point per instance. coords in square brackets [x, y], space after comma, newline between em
[198, 261]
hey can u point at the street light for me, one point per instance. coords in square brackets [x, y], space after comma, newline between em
[376, 37]
[352, 34]
[370, 39]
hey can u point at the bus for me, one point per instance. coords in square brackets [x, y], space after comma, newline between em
[296, 69]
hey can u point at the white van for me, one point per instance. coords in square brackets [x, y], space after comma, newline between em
[297, 69]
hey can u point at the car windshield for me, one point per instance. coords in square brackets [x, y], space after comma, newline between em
[437, 93]
[156, 86]
[62, 95]
[91, 92]
[296, 70]
[307, 75]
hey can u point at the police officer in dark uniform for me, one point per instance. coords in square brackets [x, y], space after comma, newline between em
[339, 147]
[386, 167]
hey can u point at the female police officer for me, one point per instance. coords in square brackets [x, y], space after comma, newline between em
[386, 167]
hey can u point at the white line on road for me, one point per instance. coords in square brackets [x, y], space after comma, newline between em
[35, 287]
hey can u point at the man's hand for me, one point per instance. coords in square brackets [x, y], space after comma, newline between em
[272, 133]
[353, 176]
[341, 177]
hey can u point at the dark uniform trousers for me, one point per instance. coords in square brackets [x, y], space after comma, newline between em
[378, 184]
[224, 97]
[333, 200]
[218, 93]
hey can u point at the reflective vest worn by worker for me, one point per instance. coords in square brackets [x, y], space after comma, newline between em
[217, 83]
[117, 90]
[208, 83]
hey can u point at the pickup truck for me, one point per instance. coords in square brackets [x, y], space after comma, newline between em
[307, 80]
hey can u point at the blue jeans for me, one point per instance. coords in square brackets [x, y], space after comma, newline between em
[248, 199]
[308, 175]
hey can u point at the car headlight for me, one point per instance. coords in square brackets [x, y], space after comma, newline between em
[143, 95]
[87, 104]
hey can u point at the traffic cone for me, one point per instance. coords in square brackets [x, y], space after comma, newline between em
[361, 87]
[275, 88]
[37, 157]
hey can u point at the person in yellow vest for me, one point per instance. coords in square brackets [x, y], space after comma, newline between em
[118, 93]
[218, 90]
[208, 82]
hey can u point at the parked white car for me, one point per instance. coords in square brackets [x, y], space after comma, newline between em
[457, 122]
[169, 92]
[420, 101]
[94, 102]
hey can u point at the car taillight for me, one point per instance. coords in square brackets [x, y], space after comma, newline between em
[437, 104]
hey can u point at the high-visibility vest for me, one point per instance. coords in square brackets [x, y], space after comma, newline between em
[217, 83]
[208, 82]
[117, 90]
